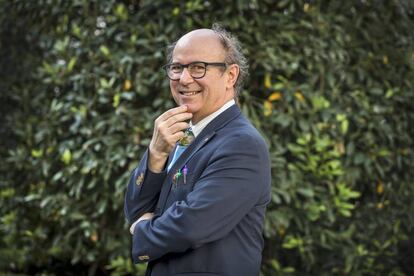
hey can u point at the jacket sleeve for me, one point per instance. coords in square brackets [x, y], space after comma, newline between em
[233, 182]
[143, 191]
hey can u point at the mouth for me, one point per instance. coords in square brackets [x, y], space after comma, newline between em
[189, 93]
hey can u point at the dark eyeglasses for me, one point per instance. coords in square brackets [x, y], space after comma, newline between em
[197, 69]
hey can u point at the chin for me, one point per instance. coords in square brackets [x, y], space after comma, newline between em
[191, 108]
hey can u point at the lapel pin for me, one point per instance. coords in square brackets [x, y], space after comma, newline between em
[185, 171]
[176, 176]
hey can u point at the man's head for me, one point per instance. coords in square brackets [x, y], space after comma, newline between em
[206, 86]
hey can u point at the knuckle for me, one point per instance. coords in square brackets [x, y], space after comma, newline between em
[174, 120]
[158, 128]
[157, 121]
[162, 131]
[161, 125]
[167, 113]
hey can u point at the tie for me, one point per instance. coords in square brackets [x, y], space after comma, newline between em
[181, 146]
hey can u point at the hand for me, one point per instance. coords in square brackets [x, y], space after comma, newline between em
[168, 129]
[145, 216]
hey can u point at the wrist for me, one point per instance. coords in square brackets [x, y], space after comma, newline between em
[156, 161]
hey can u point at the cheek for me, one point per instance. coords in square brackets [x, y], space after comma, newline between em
[174, 93]
[176, 100]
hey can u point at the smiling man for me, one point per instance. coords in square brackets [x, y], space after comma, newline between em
[197, 200]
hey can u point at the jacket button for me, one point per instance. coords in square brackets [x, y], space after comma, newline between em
[140, 179]
[143, 257]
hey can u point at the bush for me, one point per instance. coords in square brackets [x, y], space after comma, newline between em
[330, 88]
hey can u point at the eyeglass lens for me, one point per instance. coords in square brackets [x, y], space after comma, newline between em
[196, 70]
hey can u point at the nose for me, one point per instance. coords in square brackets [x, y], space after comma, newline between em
[185, 77]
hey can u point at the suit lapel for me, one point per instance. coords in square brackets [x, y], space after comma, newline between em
[204, 137]
[179, 163]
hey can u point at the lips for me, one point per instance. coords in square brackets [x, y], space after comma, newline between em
[189, 93]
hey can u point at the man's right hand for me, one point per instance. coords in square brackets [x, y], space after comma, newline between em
[168, 129]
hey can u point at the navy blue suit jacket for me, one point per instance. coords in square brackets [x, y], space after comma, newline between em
[210, 223]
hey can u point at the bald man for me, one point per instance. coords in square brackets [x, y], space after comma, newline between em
[197, 207]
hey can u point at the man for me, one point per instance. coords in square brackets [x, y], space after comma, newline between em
[201, 212]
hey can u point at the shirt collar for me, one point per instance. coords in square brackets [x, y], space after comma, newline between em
[197, 128]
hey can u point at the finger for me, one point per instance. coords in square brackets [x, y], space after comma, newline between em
[180, 126]
[145, 215]
[149, 215]
[163, 131]
[177, 136]
[172, 139]
[178, 118]
[173, 111]
[132, 228]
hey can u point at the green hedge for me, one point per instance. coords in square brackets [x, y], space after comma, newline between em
[330, 87]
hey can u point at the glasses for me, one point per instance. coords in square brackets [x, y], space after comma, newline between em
[196, 69]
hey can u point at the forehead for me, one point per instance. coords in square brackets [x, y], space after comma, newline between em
[199, 45]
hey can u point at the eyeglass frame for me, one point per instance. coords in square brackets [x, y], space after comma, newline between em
[206, 64]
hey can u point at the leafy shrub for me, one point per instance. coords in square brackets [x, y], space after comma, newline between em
[330, 88]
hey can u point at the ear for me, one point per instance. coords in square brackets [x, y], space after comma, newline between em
[233, 72]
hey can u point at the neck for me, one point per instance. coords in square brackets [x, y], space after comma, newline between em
[197, 119]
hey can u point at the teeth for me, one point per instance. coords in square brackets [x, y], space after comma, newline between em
[190, 93]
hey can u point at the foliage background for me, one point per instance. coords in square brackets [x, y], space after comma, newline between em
[331, 89]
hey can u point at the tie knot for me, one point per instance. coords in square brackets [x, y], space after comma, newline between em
[188, 137]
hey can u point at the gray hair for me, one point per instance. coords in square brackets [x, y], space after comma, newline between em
[234, 54]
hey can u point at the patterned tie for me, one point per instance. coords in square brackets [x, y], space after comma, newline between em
[181, 146]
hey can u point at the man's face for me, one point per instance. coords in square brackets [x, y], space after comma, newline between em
[205, 95]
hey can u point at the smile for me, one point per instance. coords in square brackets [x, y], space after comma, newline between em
[189, 93]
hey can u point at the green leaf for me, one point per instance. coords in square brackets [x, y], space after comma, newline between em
[66, 157]
[72, 63]
[105, 50]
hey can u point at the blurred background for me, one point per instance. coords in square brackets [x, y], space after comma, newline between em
[330, 87]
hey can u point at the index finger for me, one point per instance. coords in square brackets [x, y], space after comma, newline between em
[173, 111]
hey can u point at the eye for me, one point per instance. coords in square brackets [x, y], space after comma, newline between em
[176, 68]
[197, 67]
